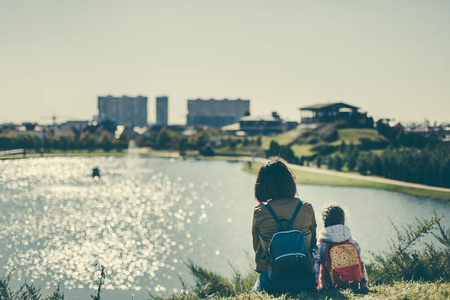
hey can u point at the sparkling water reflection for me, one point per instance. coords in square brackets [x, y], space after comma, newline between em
[144, 220]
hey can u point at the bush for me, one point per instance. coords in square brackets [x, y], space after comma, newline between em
[323, 149]
[274, 149]
[402, 262]
[330, 136]
[207, 151]
[313, 141]
[26, 291]
[368, 144]
[209, 284]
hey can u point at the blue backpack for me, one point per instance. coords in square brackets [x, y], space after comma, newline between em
[288, 253]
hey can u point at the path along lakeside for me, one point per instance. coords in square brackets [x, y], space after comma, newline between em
[362, 177]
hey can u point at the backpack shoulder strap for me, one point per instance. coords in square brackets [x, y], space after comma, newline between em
[327, 256]
[326, 264]
[299, 205]
[279, 227]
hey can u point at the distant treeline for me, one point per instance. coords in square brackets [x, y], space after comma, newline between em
[104, 137]
[430, 166]
[86, 141]
[399, 155]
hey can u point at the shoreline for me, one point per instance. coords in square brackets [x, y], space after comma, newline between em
[305, 175]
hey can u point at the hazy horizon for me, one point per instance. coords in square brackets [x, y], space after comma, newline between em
[391, 59]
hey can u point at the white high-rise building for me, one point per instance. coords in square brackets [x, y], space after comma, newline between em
[162, 110]
[128, 111]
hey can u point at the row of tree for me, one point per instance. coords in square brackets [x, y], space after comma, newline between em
[95, 137]
[86, 141]
[430, 166]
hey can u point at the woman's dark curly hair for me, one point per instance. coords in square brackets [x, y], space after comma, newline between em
[275, 180]
[333, 214]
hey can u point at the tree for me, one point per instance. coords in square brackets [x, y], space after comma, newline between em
[330, 162]
[352, 158]
[377, 165]
[259, 141]
[287, 154]
[87, 141]
[319, 161]
[245, 142]
[163, 139]
[37, 145]
[109, 125]
[232, 144]
[105, 141]
[338, 163]
[207, 151]
[274, 149]
[65, 142]
[6, 142]
[392, 133]
[170, 139]
[48, 141]
[444, 176]
[201, 139]
[122, 142]
[183, 145]
[362, 165]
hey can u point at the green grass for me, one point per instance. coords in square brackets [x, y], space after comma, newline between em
[282, 139]
[302, 150]
[227, 151]
[306, 177]
[352, 135]
[397, 291]
[348, 135]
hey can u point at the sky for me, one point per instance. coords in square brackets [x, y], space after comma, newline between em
[390, 58]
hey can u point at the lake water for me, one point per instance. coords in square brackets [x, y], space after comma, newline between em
[146, 217]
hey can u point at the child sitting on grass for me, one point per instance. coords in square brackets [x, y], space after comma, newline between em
[338, 261]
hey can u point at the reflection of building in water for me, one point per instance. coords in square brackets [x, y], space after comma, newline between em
[161, 110]
[216, 113]
[129, 111]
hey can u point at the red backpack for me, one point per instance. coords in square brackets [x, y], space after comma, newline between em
[343, 264]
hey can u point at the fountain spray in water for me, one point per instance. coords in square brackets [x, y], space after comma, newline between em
[132, 157]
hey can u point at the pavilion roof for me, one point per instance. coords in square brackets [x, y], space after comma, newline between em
[329, 106]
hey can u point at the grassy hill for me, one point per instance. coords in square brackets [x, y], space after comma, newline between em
[303, 141]
[354, 135]
[284, 138]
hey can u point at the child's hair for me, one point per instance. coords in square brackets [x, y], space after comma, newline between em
[333, 214]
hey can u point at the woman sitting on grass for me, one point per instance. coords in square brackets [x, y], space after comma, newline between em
[275, 189]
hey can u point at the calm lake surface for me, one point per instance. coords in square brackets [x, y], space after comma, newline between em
[146, 217]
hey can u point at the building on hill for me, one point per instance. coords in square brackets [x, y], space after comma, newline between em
[216, 113]
[329, 112]
[162, 110]
[265, 125]
[128, 111]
